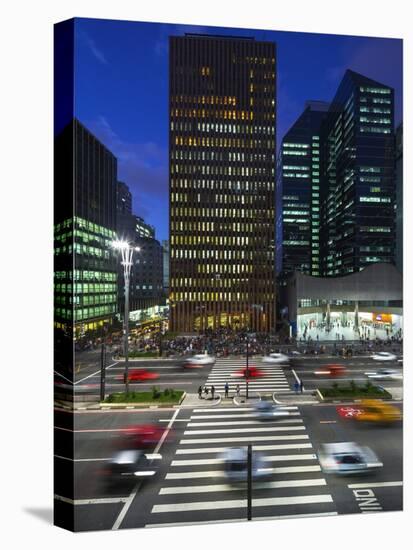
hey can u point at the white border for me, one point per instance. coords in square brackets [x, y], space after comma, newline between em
[26, 215]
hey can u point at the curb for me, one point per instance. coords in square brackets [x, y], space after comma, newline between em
[234, 399]
[117, 406]
[213, 403]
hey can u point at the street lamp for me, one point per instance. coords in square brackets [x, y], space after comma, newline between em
[127, 249]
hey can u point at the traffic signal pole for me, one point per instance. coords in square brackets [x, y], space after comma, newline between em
[249, 483]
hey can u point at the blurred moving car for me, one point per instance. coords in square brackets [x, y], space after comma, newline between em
[139, 375]
[251, 372]
[127, 464]
[332, 370]
[384, 356]
[236, 468]
[277, 358]
[266, 410]
[199, 360]
[385, 374]
[347, 459]
[376, 411]
[142, 436]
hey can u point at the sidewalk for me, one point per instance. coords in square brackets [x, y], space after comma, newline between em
[292, 398]
[193, 401]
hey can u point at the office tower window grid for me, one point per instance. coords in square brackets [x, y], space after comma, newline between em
[222, 175]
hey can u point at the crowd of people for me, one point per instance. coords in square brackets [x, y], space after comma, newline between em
[224, 341]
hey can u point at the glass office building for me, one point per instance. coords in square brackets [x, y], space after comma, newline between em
[222, 182]
[358, 177]
[85, 222]
[298, 194]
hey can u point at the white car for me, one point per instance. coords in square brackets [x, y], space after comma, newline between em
[200, 359]
[277, 358]
[266, 410]
[384, 356]
[347, 459]
[235, 465]
[385, 374]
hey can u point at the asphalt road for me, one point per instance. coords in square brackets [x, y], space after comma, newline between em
[310, 370]
[171, 374]
[190, 486]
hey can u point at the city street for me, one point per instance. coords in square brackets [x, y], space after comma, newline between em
[191, 485]
[311, 370]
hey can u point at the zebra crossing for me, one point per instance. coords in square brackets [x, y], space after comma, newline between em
[273, 377]
[195, 487]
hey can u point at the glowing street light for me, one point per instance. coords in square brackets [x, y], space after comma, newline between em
[126, 249]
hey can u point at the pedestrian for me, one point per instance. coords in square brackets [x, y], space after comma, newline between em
[237, 390]
[226, 388]
[296, 387]
[212, 391]
[206, 391]
[200, 392]
[301, 386]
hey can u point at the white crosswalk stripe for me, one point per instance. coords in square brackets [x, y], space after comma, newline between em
[258, 485]
[228, 370]
[245, 440]
[291, 480]
[225, 504]
[244, 422]
[254, 448]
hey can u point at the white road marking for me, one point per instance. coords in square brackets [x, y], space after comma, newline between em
[221, 473]
[370, 485]
[243, 430]
[227, 504]
[263, 437]
[245, 415]
[287, 408]
[274, 458]
[91, 500]
[189, 489]
[82, 459]
[131, 497]
[97, 372]
[254, 448]
[245, 422]
[255, 518]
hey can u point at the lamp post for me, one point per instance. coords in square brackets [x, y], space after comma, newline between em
[127, 251]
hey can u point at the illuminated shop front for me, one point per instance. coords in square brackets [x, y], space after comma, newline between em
[364, 304]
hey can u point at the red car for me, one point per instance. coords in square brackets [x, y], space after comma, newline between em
[253, 372]
[141, 436]
[140, 375]
[332, 370]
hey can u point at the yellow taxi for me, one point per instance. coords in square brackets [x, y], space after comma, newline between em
[373, 410]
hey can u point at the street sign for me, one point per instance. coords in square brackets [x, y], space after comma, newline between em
[349, 411]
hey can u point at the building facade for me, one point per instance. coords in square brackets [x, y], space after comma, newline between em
[165, 252]
[399, 198]
[351, 301]
[146, 278]
[298, 194]
[357, 177]
[85, 224]
[222, 182]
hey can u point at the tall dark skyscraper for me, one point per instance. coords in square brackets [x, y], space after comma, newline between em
[298, 194]
[222, 182]
[358, 177]
[85, 223]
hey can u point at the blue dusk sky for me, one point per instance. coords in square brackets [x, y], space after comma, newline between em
[121, 90]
